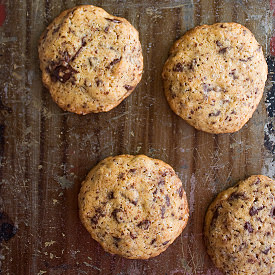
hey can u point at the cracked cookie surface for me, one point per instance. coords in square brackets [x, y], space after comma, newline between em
[90, 60]
[134, 206]
[240, 227]
[215, 76]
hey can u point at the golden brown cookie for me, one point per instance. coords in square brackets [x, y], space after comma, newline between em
[134, 206]
[90, 60]
[240, 228]
[215, 76]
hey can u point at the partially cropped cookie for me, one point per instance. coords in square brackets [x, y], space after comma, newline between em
[134, 206]
[215, 76]
[240, 228]
[90, 60]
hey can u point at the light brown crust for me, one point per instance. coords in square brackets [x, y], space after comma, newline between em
[90, 60]
[240, 227]
[215, 76]
[134, 206]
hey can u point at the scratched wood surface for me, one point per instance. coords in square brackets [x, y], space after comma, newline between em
[45, 153]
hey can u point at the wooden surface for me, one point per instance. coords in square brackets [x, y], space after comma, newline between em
[45, 153]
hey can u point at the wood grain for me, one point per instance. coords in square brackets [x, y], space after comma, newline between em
[46, 153]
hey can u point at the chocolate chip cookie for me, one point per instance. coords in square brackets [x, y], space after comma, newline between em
[134, 206]
[90, 60]
[240, 227]
[215, 76]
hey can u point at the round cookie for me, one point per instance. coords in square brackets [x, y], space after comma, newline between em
[134, 206]
[240, 228]
[90, 60]
[215, 76]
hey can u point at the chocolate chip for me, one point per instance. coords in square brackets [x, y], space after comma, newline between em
[178, 67]
[165, 243]
[214, 114]
[162, 210]
[111, 195]
[180, 191]
[266, 250]
[223, 50]
[128, 87]
[144, 224]
[254, 211]
[84, 43]
[248, 227]
[62, 73]
[132, 170]
[113, 20]
[153, 241]
[222, 26]
[116, 239]
[272, 213]
[167, 200]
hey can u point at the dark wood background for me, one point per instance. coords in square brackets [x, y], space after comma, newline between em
[45, 153]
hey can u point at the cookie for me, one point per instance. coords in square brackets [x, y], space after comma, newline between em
[215, 76]
[134, 206]
[240, 228]
[90, 60]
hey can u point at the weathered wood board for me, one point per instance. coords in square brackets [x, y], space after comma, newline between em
[45, 153]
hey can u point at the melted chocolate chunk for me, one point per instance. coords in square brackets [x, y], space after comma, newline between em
[153, 241]
[115, 61]
[167, 200]
[113, 20]
[132, 170]
[62, 73]
[246, 60]
[237, 195]
[114, 214]
[233, 74]
[161, 182]
[111, 195]
[165, 243]
[178, 67]
[128, 87]
[98, 214]
[223, 50]
[121, 176]
[215, 114]
[162, 210]
[215, 215]
[180, 191]
[254, 211]
[144, 224]
[248, 227]
[266, 250]
[133, 236]
[272, 213]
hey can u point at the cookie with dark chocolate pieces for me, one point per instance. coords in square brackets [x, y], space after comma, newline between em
[134, 206]
[90, 60]
[240, 228]
[215, 76]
